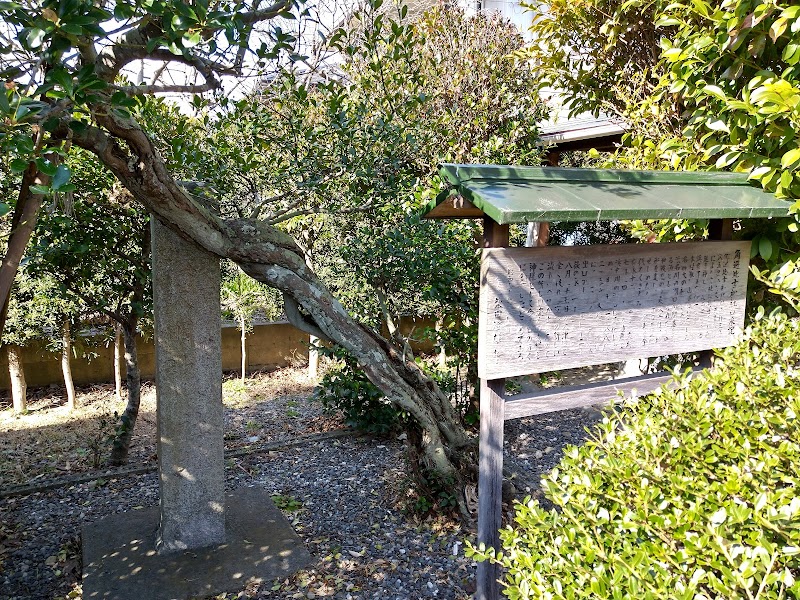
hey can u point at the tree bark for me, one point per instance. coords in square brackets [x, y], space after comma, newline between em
[313, 357]
[243, 324]
[66, 350]
[19, 389]
[118, 360]
[271, 256]
[23, 223]
[127, 421]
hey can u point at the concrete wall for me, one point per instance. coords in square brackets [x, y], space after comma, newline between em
[268, 346]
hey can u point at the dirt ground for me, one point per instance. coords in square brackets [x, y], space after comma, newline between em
[51, 441]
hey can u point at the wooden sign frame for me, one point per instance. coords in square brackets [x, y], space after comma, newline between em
[494, 408]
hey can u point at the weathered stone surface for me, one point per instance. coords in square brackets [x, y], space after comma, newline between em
[120, 561]
[186, 282]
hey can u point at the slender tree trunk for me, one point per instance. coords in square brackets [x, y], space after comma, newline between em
[66, 351]
[124, 434]
[313, 357]
[23, 222]
[271, 256]
[118, 360]
[243, 324]
[19, 389]
[313, 341]
[440, 326]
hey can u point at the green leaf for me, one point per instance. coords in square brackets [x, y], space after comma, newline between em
[714, 90]
[153, 43]
[791, 159]
[60, 178]
[46, 167]
[727, 159]
[4, 209]
[718, 125]
[40, 189]
[192, 40]
[765, 248]
[19, 165]
[78, 126]
[35, 37]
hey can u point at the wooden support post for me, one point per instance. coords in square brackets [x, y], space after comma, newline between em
[490, 453]
[718, 229]
[490, 483]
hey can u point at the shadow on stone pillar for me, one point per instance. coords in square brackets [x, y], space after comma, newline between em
[186, 282]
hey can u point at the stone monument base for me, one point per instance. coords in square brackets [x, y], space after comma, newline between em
[120, 561]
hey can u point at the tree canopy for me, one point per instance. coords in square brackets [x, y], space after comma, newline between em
[311, 143]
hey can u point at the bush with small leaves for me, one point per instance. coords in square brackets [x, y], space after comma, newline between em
[345, 388]
[691, 493]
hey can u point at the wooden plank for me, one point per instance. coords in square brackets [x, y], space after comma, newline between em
[455, 207]
[718, 229]
[490, 484]
[551, 308]
[579, 396]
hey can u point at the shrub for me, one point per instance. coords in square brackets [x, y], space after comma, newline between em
[691, 493]
[345, 387]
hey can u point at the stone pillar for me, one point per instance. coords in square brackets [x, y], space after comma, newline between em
[186, 282]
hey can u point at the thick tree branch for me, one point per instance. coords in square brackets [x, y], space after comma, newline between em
[141, 90]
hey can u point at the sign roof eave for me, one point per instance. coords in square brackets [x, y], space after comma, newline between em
[515, 194]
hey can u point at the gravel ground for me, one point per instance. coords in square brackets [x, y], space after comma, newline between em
[339, 494]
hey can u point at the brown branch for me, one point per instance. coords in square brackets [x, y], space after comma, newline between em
[257, 16]
[133, 46]
[134, 90]
[299, 320]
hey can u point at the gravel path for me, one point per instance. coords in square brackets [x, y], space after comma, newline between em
[340, 496]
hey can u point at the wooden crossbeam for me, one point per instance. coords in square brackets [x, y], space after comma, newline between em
[578, 396]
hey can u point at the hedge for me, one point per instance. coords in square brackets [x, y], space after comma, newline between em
[691, 493]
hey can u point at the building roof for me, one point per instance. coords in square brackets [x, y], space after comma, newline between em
[514, 194]
[582, 132]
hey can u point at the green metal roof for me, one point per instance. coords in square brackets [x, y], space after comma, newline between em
[511, 194]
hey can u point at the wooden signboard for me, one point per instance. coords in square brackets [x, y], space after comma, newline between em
[543, 309]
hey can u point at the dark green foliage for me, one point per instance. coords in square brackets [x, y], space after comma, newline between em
[687, 494]
[346, 388]
[428, 494]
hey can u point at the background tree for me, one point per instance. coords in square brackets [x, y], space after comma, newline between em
[62, 71]
[722, 94]
[460, 96]
[36, 313]
[241, 298]
[602, 55]
[99, 254]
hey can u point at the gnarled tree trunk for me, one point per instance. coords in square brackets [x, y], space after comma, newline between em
[127, 421]
[271, 256]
